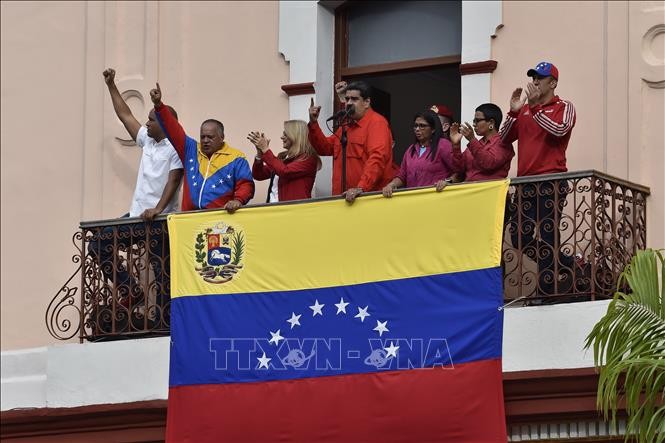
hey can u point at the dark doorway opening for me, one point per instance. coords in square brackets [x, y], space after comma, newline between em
[399, 95]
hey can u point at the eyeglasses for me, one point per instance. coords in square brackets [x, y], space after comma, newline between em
[476, 120]
[420, 126]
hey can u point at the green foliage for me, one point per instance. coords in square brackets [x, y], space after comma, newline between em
[199, 254]
[629, 348]
[238, 243]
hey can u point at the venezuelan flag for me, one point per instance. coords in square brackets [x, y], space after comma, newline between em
[323, 321]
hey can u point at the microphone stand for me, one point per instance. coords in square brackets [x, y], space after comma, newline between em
[343, 140]
[344, 122]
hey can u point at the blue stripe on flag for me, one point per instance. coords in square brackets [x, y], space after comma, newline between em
[422, 322]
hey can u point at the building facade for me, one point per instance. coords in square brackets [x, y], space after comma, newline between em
[253, 65]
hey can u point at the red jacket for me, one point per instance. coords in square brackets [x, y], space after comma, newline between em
[542, 132]
[483, 159]
[296, 176]
[369, 153]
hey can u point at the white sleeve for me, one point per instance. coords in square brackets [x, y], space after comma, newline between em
[142, 136]
[174, 159]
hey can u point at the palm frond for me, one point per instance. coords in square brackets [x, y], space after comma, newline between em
[629, 348]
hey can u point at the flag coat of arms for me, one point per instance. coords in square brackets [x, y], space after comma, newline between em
[323, 321]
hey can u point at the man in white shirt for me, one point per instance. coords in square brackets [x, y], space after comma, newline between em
[156, 191]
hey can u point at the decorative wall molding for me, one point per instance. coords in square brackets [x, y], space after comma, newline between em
[117, 422]
[546, 394]
[483, 67]
[294, 89]
[480, 22]
[556, 397]
[400, 66]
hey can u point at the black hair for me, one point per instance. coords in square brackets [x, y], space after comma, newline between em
[219, 124]
[362, 87]
[432, 119]
[491, 112]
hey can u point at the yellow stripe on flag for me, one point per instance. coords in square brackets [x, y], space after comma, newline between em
[301, 246]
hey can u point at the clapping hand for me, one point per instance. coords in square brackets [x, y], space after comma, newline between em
[259, 141]
[467, 131]
[314, 112]
[455, 134]
[516, 100]
[156, 95]
[532, 93]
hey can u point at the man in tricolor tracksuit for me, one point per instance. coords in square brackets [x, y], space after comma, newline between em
[216, 175]
[542, 123]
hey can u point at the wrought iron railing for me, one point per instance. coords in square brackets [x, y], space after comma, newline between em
[567, 238]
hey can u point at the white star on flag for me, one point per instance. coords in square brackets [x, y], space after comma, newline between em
[191, 160]
[263, 361]
[362, 313]
[341, 306]
[381, 327]
[193, 176]
[192, 168]
[391, 350]
[316, 308]
[195, 184]
[213, 186]
[294, 320]
[221, 180]
[228, 176]
[275, 337]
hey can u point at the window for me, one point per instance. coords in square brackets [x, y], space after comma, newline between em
[408, 51]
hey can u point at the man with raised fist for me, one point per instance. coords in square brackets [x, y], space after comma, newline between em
[369, 156]
[216, 175]
[156, 192]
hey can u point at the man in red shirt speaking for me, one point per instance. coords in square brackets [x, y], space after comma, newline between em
[369, 155]
[542, 126]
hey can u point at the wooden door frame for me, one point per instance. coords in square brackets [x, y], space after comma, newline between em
[341, 56]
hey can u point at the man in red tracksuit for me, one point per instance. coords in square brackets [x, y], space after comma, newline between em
[542, 123]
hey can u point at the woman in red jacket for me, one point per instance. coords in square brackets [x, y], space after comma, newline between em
[487, 158]
[293, 170]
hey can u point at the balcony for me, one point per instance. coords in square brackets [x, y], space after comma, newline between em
[567, 237]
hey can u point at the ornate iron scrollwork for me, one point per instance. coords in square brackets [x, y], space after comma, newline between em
[63, 315]
[567, 237]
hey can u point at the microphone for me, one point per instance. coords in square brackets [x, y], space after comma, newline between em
[341, 114]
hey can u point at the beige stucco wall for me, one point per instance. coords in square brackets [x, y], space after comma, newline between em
[612, 69]
[61, 161]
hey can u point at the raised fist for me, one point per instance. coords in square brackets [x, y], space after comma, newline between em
[314, 112]
[109, 76]
[156, 95]
[340, 89]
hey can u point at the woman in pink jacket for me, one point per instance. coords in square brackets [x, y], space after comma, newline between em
[428, 161]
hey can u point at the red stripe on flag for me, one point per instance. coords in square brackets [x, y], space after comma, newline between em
[464, 404]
